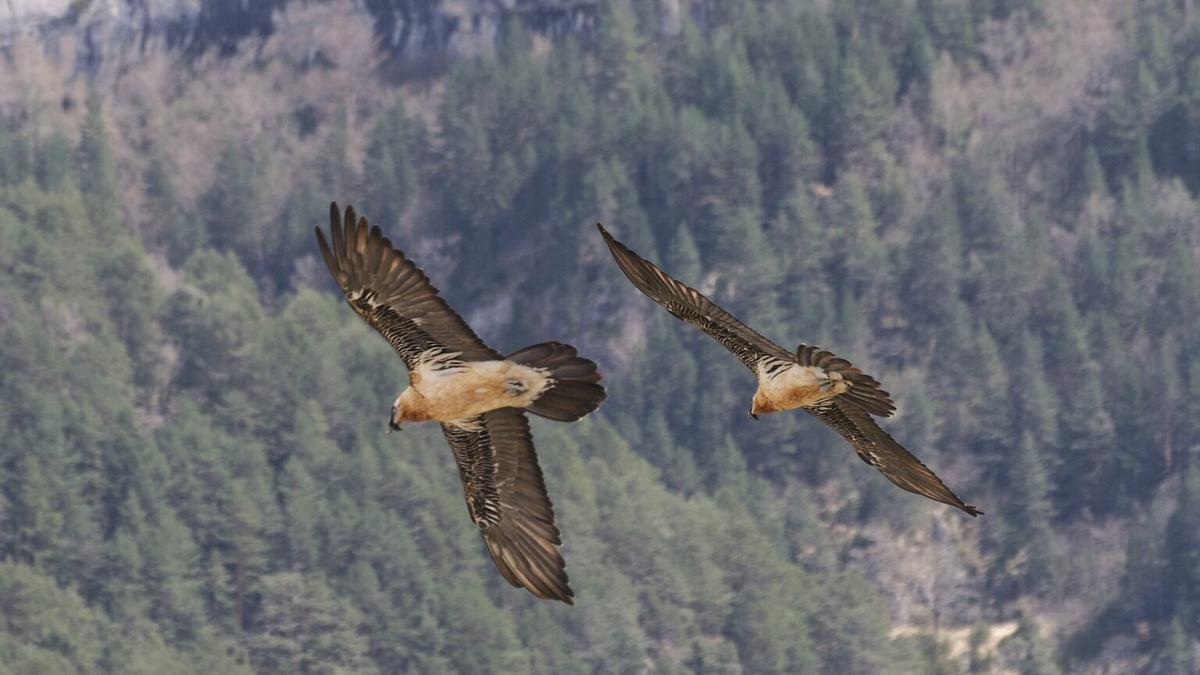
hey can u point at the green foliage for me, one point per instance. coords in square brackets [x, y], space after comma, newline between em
[230, 208]
[194, 475]
[390, 172]
[97, 170]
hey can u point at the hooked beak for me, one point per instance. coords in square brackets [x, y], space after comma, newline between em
[754, 417]
[392, 426]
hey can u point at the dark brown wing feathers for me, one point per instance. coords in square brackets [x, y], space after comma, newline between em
[506, 497]
[393, 294]
[692, 306]
[877, 448]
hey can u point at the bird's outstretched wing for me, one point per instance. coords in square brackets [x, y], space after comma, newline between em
[877, 448]
[507, 499]
[394, 295]
[693, 307]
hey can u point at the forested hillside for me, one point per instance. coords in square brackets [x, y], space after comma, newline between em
[990, 205]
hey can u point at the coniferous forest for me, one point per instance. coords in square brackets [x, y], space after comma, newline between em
[993, 206]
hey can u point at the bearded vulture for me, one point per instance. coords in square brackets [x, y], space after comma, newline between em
[475, 394]
[811, 379]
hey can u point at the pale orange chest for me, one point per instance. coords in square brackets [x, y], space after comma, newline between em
[792, 388]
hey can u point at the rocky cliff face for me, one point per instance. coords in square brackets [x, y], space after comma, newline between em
[413, 30]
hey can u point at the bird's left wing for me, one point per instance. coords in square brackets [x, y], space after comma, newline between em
[393, 295]
[507, 499]
[693, 307]
[877, 448]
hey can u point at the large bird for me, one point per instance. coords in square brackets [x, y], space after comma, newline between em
[811, 379]
[477, 395]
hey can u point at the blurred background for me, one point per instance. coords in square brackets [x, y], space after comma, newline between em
[990, 205]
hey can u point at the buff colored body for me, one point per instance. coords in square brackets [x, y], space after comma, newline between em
[794, 387]
[462, 392]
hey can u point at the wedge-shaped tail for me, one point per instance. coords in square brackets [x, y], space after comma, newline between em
[864, 390]
[573, 390]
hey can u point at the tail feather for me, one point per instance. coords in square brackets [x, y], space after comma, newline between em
[864, 390]
[573, 391]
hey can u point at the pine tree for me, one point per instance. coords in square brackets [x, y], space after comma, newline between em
[1094, 180]
[54, 162]
[1124, 121]
[931, 281]
[299, 626]
[865, 265]
[230, 206]
[1085, 427]
[1178, 656]
[616, 52]
[855, 116]
[390, 170]
[988, 407]
[97, 171]
[950, 24]
[165, 217]
[1036, 405]
[916, 66]
[787, 154]
[1030, 490]
[15, 151]
[301, 505]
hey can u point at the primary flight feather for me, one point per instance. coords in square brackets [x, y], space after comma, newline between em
[475, 394]
[811, 379]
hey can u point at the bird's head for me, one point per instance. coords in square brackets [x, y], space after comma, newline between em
[761, 405]
[394, 420]
[408, 407]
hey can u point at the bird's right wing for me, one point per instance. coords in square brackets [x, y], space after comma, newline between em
[507, 499]
[394, 296]
[693, 307]
[877, 448]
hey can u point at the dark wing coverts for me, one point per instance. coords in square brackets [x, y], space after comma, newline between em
[394, 295]
[877, 448]
[693, 307]
[507, 500]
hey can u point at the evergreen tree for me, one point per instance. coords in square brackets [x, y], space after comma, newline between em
[950, 24]
[855, 115]
[616, 52]
[14, 156]
[865, 265]
[97, 171]
[390, 170]
[300, 627]
[54, 162]
[166, 220]
[1030, 485]
[1085, 427]
[787, 154]
[934, 271]
[230, 206]
[1179, 655]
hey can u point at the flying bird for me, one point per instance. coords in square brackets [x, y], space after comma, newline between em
[477, 395]
[811, 379]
